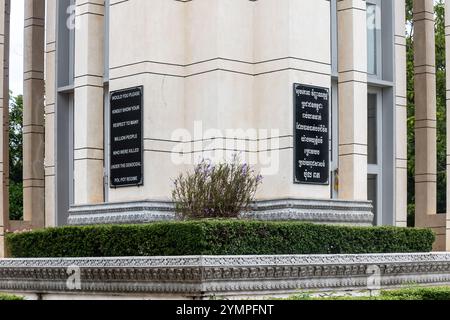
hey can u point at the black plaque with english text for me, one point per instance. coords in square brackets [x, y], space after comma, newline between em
[126, 165]
[311, 134]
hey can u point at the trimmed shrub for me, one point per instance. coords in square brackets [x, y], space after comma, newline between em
[215, 191]
[209, 237]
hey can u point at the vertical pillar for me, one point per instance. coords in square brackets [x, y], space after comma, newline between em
[33, 114]
[425, 103]
[4, 58]
[447, 54]
[401, 115]
[50, 96]
[88, 110]
[352, 69]
[6, 109]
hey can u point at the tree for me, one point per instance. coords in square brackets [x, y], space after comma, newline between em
[440, 108]
[15, 158]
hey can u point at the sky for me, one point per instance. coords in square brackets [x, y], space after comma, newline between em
[16, 49]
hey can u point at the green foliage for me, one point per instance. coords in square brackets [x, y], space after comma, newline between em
[15, 138]
[441, 105]
[440, 108]
[15, 158]
[210, 237]
[215, 191]
[436, 293]
[7, 297]
[15, 200]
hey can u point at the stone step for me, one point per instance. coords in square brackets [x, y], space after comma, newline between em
[308, 210]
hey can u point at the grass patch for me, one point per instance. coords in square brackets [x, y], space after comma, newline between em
[7, 297]
[411, 294]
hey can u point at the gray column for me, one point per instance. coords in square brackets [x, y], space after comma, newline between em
[401, 117]
[352, 68]
[33, 113]
[6, 110]
[4, 58]
[425, 103]
[50, 96]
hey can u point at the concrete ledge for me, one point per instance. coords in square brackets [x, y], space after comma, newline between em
[205, 277]
[319, 211]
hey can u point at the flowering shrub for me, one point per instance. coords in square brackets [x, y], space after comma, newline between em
[215, 191]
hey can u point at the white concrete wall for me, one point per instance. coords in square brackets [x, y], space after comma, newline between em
[150, 52]
[230, 64]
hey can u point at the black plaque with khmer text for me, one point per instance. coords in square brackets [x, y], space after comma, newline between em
[311, 134]
[126, 138]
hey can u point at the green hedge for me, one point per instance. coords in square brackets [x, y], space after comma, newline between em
[236, 237]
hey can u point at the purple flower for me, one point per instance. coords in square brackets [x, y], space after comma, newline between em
[207, 168]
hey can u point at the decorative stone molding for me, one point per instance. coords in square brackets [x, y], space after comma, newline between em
[203, 277]
[319, 211]
[122, 213]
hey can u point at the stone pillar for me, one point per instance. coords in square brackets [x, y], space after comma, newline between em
[50, 96]
[447, 53]
[6, 109]
[352, 69]
[401, 115]
[425, 103]
[88, 110]
[33, 114]
[4, 58]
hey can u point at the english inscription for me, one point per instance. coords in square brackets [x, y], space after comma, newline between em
[126, 138]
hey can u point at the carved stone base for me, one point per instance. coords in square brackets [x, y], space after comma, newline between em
[122, 213]
[205, 277]
[318, 211]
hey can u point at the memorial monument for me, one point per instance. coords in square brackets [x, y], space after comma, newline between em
[313, 93]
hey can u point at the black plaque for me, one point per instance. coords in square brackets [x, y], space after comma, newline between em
[311, 132]
[126, 138]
